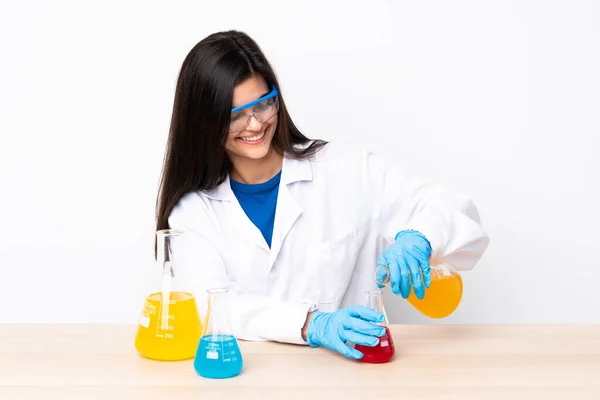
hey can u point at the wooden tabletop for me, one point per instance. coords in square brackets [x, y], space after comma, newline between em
[431, 362]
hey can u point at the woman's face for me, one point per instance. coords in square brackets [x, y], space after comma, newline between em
[253, 142]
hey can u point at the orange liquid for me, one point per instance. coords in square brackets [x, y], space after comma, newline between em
[443, 295]
[178, 339]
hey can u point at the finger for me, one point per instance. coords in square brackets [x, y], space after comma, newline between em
[395, 276]
[347, 351]
[366, 313]
[360, 338]
[426, 269]
[415, 274]
[364, 327]
[404, 277]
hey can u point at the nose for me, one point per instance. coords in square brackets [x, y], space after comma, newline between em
[254, 125]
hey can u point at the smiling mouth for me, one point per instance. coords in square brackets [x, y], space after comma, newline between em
[254, 138]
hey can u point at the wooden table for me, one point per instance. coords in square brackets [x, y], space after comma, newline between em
[432, 362]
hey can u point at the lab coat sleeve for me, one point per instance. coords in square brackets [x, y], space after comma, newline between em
[252, 316]
[447, 217]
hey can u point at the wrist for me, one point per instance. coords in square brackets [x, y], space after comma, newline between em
[309, 316]
[414, 233]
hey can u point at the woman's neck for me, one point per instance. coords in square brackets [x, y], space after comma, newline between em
[250, 171]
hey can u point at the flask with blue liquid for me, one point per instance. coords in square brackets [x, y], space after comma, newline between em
[218, 354]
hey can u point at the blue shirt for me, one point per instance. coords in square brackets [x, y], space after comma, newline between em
[259, 202]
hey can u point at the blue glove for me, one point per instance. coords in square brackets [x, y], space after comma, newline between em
[353, 324]
[405, 259]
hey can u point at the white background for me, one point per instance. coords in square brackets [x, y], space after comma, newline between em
[500, 99]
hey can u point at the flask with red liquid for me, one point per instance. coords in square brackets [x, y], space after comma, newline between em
[383, 351]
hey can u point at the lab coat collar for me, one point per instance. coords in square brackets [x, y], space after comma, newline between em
[295, 170]
[291, 171]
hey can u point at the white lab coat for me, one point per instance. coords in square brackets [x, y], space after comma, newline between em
[335, 214]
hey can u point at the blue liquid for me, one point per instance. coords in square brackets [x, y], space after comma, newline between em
[218, 356]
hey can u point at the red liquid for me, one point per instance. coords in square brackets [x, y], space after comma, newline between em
[380, 353]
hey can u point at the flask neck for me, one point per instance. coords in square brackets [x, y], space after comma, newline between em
[217, 320]
[166, 266]
[164, 245]
[217, 299]
[375, 301]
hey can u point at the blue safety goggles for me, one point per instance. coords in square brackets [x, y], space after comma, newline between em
[272, 94]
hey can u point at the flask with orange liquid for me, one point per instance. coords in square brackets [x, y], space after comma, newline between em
[169, 327]
[442, 296]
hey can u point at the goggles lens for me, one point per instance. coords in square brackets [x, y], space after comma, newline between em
[262, 109]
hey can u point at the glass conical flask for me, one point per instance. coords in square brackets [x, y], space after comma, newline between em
[169, 327]
[218, 354]
[442, 296]
[383, 351]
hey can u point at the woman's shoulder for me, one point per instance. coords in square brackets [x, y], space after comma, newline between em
[350, 154]
[191, 206]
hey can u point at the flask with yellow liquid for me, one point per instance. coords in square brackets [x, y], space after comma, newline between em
[169, 326]
[442, 296]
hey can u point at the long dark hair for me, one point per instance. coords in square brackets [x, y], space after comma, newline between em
[195, 157]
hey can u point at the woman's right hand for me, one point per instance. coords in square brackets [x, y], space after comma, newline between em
[354, 324]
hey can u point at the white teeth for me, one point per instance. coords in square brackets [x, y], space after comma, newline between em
[253, 138]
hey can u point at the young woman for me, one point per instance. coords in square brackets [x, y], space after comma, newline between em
[286, 222]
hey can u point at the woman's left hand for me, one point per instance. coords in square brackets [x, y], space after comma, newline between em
[406, 259]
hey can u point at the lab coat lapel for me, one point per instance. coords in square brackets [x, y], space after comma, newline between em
[288, 210]
[244, 227]
[241, 226]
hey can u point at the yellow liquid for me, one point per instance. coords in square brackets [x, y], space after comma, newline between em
[443, 295]
[177, 340]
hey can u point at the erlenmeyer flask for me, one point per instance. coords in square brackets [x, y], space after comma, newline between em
[442, 296]
[169, 327]
[218, 354]
[383, 351]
